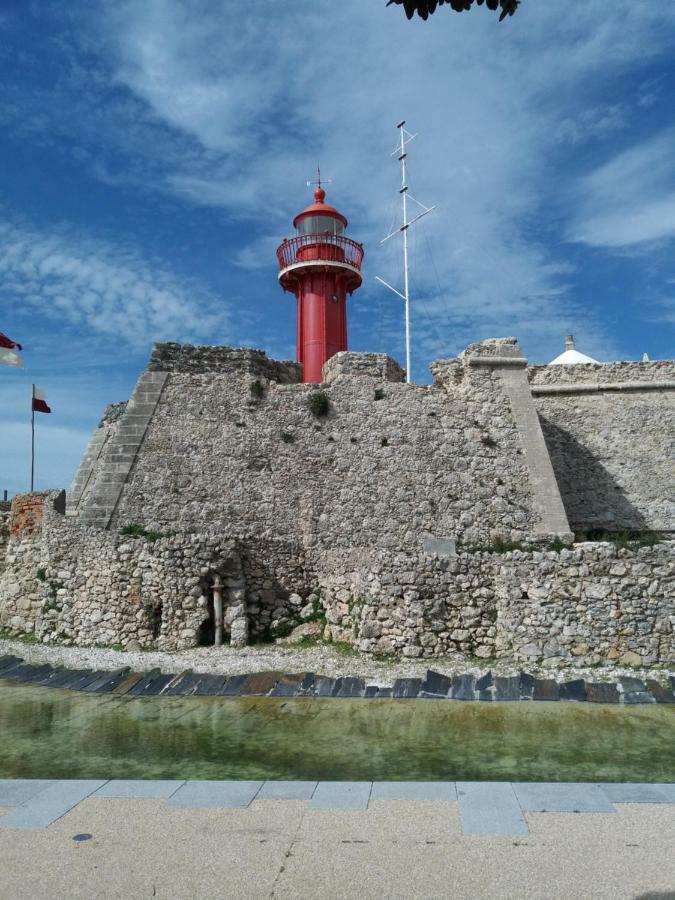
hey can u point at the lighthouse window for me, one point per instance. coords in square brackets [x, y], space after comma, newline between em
[320, 225]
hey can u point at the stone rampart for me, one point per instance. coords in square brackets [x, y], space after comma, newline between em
[68, 583]
[374, 365]
[592, 603]
[387, 464]
[610, 433]
[204, 360]
[364, 500]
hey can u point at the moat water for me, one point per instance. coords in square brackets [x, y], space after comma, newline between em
[50, 733]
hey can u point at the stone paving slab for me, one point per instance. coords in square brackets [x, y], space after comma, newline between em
[660, 693]
[574, 690]
[349, 687]
[139, 790]
[463, 687]
[127, 682]
[287, 790]
[507, 688]
[183, 685]
[107, 678]
[8, 662]
[601, 693]
[546, 689]
[486, 808]
[341, 795]
[49, 804]
[14, 791]
[568, 797]
[215, 794]
[145, 684]
[490, 807]
[639, 793]
[633, 697]
[413, 790]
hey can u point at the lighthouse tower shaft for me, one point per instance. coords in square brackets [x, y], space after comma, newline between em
[321, 267]
[322, 320]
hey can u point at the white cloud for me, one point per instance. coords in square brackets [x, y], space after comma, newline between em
[108, 288]
[233, 109]
[263, 94]
[630, 199]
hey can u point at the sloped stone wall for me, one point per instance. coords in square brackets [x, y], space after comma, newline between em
[389, 465]
[610, 432]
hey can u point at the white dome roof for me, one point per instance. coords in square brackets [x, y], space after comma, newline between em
[571, 357]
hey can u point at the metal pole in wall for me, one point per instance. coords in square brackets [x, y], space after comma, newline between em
[217, 610]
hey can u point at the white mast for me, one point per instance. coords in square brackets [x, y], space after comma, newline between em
[405, 138]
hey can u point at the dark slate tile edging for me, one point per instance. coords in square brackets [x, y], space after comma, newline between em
[436, 686]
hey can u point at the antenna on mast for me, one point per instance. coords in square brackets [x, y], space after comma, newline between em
[319, 180]
[405, 138]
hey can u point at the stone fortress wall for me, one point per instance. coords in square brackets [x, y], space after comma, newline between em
[610, 430]
[228, 439]
[592, 603]
[379, 520]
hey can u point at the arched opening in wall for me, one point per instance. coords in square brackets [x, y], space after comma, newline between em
[207, 630]
[206, 635]
[153, 616]
[222, 603]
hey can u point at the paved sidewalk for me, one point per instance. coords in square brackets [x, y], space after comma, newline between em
[200, 839]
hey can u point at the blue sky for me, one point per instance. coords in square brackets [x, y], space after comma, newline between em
[154, 154]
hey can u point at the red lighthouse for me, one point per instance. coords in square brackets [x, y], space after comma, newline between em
[320, 266]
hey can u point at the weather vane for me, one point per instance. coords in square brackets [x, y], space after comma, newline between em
[319, 180]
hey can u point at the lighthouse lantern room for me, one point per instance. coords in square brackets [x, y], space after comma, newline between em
[320, 266]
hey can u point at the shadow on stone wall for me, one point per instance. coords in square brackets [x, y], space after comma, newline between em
[592, 496]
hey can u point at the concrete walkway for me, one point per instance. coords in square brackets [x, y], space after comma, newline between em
[335, 839]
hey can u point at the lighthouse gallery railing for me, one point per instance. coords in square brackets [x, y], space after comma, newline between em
[329, 247]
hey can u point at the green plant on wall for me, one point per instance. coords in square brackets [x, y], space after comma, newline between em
[137, 531]
[621, 538]
[319, 404]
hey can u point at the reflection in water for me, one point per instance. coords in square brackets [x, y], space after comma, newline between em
[49, 733]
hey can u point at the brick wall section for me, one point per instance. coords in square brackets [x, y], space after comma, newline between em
[27, 513]
[4, 530]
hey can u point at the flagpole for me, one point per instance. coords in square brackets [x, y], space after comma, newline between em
[32, 441]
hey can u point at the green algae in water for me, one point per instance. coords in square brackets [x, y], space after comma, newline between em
[50, 733]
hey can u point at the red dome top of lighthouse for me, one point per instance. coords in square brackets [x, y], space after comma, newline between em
[317, 210]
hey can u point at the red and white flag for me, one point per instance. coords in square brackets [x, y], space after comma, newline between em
[8, 354]
[40, 401]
